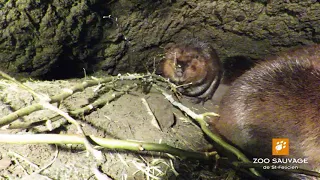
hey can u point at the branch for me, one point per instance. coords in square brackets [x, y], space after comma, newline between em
[103, 142]
[65, 94]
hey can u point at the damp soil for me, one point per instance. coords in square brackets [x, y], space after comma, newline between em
[124, 118]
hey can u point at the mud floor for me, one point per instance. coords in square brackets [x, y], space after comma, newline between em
[124, 118]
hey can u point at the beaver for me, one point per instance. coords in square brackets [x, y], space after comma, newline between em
[278, 98]
[194, 65]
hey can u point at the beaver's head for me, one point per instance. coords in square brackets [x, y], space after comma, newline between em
[184, 65]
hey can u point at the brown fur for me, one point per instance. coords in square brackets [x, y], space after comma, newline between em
[196, 66]
[279, 98]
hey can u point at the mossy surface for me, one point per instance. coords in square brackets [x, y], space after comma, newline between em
[58, 39]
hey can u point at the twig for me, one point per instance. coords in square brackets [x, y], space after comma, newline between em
[11, 153]
[19, 84]
[44, 101]
[97, 154]
[48, 165]
[104, 142]
[154, 120]
[74, 113]
[65, 94]
[102, 101]
[122, 160]
[146, 169]
[172, 86]
[99, 175]
[51, 162]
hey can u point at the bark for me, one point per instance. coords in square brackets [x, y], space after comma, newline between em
[58, 38]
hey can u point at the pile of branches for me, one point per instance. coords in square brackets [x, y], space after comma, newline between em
[91, 142]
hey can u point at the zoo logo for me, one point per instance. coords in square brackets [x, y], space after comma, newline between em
[280, 146]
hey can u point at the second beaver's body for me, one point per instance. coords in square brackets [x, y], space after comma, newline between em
[194, 65]
[279, 98]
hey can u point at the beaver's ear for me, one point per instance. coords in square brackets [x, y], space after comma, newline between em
[160, 66]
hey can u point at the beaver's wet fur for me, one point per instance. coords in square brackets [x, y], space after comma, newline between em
[196, 66]
[278, 98]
